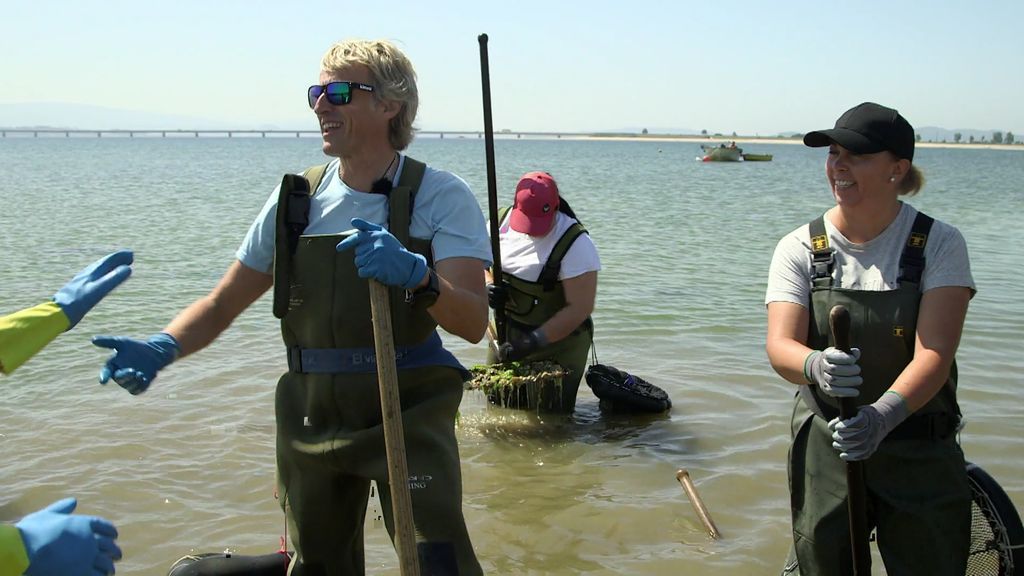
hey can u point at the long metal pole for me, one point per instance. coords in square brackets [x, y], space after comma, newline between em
[492, 185]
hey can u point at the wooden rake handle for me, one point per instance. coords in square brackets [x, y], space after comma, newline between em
[394, 437]
[856, 492]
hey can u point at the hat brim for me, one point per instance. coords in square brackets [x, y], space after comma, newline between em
[852, 141]
[537, 226]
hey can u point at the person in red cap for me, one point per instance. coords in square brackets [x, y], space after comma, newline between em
[549, 265]
[906, 281]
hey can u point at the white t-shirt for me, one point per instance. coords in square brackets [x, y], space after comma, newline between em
[871, 266]
[524, 256]
[445, 212]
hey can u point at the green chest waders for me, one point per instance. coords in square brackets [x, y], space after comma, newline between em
[917, 493]
[330, 440]
[529, 305]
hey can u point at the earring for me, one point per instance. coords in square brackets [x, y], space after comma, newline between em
[892, 178]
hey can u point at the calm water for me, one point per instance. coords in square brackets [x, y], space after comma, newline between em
[685, 246]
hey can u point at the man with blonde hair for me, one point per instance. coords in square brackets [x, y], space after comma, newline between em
[418, 230]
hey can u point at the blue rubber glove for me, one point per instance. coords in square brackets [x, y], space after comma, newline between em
[90, 285]
[859, 437]
[521, 345]
[59, 543]
[135, 363]
[834, 371]
[380, 256]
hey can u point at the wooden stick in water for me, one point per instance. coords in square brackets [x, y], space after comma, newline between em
[691, 492]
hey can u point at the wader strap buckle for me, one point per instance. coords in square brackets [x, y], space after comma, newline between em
[821, 264]
[822, 255]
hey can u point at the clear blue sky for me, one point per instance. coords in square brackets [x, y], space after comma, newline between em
[754, 67]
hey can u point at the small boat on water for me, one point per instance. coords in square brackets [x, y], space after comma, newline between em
[730, 152]
[722, 153]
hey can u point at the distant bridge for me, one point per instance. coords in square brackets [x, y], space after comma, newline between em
[67, 133]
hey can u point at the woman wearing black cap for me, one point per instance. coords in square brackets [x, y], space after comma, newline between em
[906, 280]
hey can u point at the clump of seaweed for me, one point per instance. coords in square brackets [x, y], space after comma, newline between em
[517, 384]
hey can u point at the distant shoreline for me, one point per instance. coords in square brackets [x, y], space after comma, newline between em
[53, 132]
[757, 140]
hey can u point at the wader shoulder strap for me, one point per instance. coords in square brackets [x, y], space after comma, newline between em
[315, 175]
[912, 259]
[401, 202]
[549, 274]
[504, 210]
[912, 263]
[293, 202]
[403, 198]
[564, 208]
[822, 255]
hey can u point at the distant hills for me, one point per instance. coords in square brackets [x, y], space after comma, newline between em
[927, 133]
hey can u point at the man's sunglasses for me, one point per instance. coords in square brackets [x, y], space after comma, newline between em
[338, 93]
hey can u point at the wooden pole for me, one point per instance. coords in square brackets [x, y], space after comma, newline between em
[856, 504]
[394, 437]
[698, 505]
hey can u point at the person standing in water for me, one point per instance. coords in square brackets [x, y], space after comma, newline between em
[417, 230]
[549, 286]
[906, 280]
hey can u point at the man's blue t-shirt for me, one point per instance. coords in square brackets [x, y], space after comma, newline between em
[445, 212]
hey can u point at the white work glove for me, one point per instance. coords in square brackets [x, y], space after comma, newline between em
[857, 438]
[834, 371]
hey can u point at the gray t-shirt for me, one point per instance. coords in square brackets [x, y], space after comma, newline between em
[446, 212]
[873, 265]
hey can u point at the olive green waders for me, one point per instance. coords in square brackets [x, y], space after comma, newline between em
[330, 439]
[330, 444]
[918, 498]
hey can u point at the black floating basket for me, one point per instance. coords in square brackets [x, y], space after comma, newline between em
[621, 391]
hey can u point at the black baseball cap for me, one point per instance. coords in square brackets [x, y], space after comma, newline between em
[868, 128]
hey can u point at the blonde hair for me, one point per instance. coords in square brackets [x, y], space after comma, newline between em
[912, 182]
[393, 78]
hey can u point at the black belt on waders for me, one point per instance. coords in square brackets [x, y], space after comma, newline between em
[938, 426]
[361, 360]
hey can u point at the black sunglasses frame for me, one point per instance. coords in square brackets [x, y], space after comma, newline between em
[316, 90]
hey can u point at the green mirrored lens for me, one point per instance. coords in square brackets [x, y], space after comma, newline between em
[339, 93]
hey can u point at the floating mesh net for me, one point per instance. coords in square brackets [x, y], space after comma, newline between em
[997, 537]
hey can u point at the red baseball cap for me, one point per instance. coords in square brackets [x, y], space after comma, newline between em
[536, 204]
